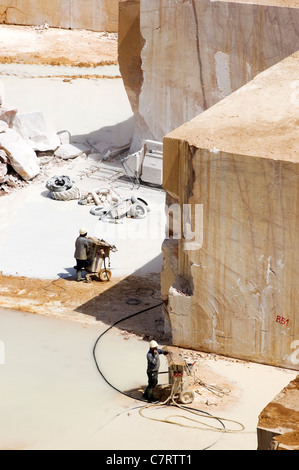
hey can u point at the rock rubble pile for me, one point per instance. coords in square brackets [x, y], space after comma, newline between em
[24, 140]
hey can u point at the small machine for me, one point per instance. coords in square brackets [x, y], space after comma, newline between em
[179, 372]
[99, 256]
[147, 164]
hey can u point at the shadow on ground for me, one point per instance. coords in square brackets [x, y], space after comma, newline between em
[161, 394]
[134, 294]
[107, 137]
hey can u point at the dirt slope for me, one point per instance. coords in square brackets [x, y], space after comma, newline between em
[50, 46]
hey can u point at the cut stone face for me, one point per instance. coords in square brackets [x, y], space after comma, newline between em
[236, 293]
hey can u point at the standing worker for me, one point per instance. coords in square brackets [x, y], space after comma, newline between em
[153, 366]
[81, 253]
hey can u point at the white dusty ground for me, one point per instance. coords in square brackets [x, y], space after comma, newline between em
[51, 395]
[37, 234]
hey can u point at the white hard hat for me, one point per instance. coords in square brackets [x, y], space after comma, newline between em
[153, 345]
[83, 231]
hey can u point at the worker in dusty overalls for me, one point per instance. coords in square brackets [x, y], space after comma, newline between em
[81, 253]
[153, 366]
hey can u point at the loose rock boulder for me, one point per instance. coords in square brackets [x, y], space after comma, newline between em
[3, 172]
[21, 156]
[34, 129]
[8, 114]
[70, 151]
[3, 126]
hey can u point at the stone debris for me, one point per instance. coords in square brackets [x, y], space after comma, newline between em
[8, 114]
[12, 182]
[21, 156]
[3, 166]
[34, 129]
[71, 151]
[3, 126]
[3, 172]
[28, 143]
[41, 27]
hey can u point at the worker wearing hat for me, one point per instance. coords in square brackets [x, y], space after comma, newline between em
[81, 253]
[153, 366]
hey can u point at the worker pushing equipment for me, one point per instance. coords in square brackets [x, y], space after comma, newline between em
[91, 255]
[83, 244]
[153, 366]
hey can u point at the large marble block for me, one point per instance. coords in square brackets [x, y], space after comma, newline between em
[187, 55]
[237, 293]
[278, 425]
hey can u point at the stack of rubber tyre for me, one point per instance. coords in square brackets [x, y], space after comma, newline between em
[62, 188]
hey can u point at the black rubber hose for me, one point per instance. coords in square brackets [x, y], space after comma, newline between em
[140, 399]
[106, 331]
[124, 393]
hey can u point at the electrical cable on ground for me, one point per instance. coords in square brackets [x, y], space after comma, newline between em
[106, 331]
[218, 391]
[170, 401]
[54, 283]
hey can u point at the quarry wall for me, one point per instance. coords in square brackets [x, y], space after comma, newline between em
[199, 62]
[190, 54]
[96, 15]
